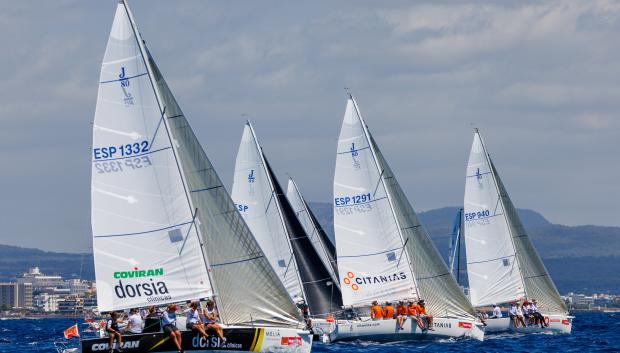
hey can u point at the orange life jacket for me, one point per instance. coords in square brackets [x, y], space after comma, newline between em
[376, 312]
[388, 312]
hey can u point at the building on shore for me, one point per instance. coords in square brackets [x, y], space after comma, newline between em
[8, 295]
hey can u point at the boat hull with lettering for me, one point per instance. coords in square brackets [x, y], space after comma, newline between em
[238, 339]
[387, 330]
[557, 324]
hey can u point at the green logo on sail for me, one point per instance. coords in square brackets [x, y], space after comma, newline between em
[139, 273]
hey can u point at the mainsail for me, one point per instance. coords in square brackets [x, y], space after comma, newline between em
[383, 251]
[372, 263]
[262, 202]
[502, 263]
[161, 206]
[146, 247]
[320, 241]
[253, 193]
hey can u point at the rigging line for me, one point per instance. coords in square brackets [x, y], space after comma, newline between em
[496, 205]
[189, 229]
[378, 182]
[288, 265]
[402, 251]
[161, 118]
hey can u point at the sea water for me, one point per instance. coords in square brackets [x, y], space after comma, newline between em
[592, 332]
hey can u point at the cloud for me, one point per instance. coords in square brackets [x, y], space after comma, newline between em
[539, 79]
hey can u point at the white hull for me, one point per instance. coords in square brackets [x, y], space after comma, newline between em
[239, 339]
[387, 330]
[557, 324]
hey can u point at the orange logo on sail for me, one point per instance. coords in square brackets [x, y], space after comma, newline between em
[349, 278]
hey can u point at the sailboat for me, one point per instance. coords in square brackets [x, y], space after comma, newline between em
[383, 252]
[164, 228]
[271, 218]
[502, 263]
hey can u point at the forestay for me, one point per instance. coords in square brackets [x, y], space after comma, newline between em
[145, 245]
[434, 281]
[371, 261]
[492, 266]
[253, 193]
[321, 243]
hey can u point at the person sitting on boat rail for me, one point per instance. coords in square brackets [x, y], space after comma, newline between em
[169, 325]
[211, 318]
[388, 311]
[114, 332]
[516, 315]
[527, 313]
[497, 312]
[401, 314]
[537, 315]
[412, 312]
[376, 313]
[482, 316]
[134, 324]
[422, 314]
[194, 322]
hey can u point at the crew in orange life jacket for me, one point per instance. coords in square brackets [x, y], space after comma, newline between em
[401, 312]
[422, 314]
[376, 313]
[388, 311]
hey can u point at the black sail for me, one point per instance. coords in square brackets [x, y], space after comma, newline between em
[327, 243]
[322, 295]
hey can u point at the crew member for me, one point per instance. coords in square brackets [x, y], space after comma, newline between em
[114, 332]
[376, 313]
[169, 322]
[401, 314]
[388, 311]
[424, 315]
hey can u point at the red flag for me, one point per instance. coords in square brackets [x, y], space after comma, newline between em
[72, 332]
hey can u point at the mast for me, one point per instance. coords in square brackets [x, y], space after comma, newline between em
[145, 55]
[387, 193]
[499, 195]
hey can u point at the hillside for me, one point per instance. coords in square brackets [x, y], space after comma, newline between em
[581, 258]
[16, 260]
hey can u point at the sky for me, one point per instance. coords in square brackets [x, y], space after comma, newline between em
[541, 80]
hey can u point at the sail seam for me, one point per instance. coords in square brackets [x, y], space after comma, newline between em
[378, 253]
[207, 189]
[125, 78]
[483, 261]
[236, 262]
[357, 150]
[431, 277]
[138, 233]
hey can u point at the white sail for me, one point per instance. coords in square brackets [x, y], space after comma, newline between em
[372, 263]
[145, 242]
[254, 195]
[435, 284]
[492, 265]
[312, 229]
